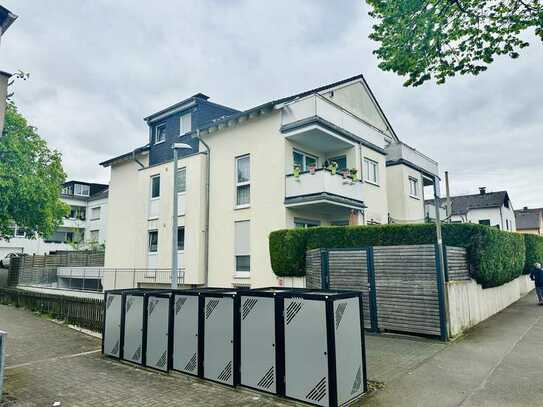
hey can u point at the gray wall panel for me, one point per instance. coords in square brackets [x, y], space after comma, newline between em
[219, 339]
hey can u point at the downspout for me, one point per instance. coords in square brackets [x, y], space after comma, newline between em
[208, 176]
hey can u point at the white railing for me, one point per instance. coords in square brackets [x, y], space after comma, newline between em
[322, 181]
[401, 151]
[318, 106]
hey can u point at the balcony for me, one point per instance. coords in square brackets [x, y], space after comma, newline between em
[320, 124]
[402, 153]
[323, 189]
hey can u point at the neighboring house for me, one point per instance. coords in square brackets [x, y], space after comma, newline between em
[265, 173]
[6, 19]
[485, 208]
[86, 222]
[529, 221]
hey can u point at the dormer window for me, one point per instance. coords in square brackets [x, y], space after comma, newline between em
[81, 190]
[160, 133]
[185, 124]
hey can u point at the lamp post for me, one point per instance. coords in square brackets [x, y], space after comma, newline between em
[176, 147]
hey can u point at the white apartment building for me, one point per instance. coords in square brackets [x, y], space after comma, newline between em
[251, 172]
[85, 223]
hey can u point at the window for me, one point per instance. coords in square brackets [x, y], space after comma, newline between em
[341, 162]
[153, 241]
[484, 222]
[155, 186]
[305, 223]
[95, 213]
[67, 190]
[413, 187]
[242, 246]
[180, 238]
[181, 180]
[160, 133]
[77, 212]
[507, 224]
[81, 190]
[185, 124]
[94, 235]
[371, 171]
[69, 237]
[19, 232]
[304, 160]
[243, 181]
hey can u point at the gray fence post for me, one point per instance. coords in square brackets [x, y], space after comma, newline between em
[3, 337]
[372, 290]
[325, 269]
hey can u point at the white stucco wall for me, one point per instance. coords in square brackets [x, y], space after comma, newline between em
[375, 196]
[403, 207]
[99, 224]
[497, 216]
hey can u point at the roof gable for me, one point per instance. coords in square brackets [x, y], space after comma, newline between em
[462, 204]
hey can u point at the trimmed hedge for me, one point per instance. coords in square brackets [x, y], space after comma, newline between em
[496, 257]
[534, 251]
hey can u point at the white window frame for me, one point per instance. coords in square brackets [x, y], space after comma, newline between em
[151, 187]
[97, 232]
[157, 127]
[302, 223]
[237, 253]
[305, 155]
[367, 164]
[149, 241]
[185, 120]
[84, 190]
[184, 239]
[242, 183]
[412, 181]
[96, 209]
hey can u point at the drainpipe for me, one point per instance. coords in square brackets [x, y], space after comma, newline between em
[208, 175]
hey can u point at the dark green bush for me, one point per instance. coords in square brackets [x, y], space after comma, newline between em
[496, 257]
[534, 251]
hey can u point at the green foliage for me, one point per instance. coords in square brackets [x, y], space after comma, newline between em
[496, 257]
[30, 180]
[427, 39]
[534, 251]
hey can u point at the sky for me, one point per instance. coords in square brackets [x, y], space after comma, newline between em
[97, 68]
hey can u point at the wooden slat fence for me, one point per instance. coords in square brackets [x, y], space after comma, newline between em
[457, 264]
[84, 312]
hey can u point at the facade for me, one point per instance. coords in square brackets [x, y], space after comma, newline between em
[6, 19]
[485, 208]
[529, 221]
[327, 156]
[86, 222]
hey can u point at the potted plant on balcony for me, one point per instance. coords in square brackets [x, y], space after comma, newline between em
[333, 167]
[354, 174]
[312, 169]
[297, 171]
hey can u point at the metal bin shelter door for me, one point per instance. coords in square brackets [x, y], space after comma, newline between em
[158, 315]
[112, 325]
[185, 334]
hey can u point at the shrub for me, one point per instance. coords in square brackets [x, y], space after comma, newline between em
[534, 251]
[496, 257]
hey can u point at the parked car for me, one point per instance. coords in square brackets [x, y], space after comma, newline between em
[5, 262]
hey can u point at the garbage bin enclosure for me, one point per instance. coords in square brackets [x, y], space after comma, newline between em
[323, 347]
[185, 356]
[111, 336]
[260, 340]
[157, 337]
[220, 353]
[133, 327]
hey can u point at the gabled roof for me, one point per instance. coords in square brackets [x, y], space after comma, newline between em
[268, 106]
[529, 218]
[125, 156]
[463, 203]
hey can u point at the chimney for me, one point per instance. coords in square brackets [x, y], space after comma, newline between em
[482, 190]
[525, 208]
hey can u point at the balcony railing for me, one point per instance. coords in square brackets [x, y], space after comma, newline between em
[97, 278]
[322, 184]
[316, 106]
[401, 151]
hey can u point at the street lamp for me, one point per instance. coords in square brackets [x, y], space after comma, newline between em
[176, 147]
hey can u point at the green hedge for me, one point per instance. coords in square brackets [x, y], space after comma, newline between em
[534, 251]
[496, 257]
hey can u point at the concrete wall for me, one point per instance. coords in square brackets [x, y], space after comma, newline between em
[470, 304]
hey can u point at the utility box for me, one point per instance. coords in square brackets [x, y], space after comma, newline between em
[111, 332]
[220, 330]
[324, 350]
[133, 316]
[157, 330]
[261, 340]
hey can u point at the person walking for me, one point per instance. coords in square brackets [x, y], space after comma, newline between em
[537, 276]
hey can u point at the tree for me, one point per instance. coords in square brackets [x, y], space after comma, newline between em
[425, 39]
[31, 176]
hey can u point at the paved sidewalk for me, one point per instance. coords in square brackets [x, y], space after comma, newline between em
[499, 363]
